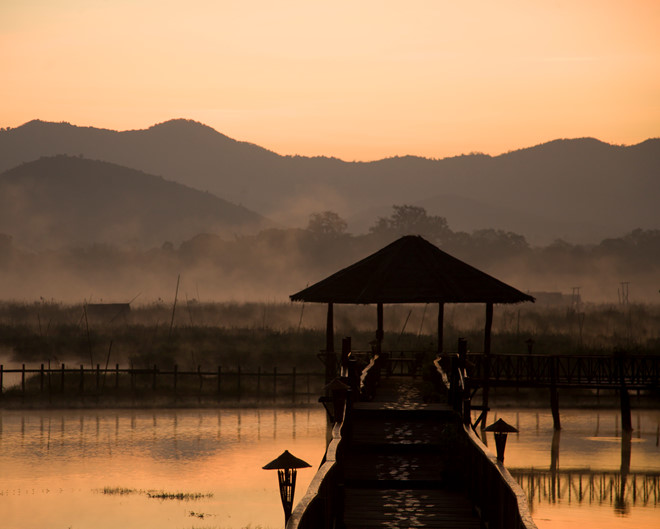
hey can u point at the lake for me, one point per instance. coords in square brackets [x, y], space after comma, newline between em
[201, 469]
[57, 464]
[578, 484]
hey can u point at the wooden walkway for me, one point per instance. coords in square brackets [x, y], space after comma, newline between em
[397, 471]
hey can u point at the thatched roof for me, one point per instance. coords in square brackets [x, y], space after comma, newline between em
[410, 270]
[286, 460]
[500, 426]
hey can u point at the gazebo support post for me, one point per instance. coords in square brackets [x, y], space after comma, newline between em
[487, 334]
[330, 360]
[441, 325]
[489, 327]
[380, 333]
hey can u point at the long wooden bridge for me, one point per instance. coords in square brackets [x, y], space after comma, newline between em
[397, 461]
[621, 372]
[634, 371]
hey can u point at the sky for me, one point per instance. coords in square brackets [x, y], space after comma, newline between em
[359, 80]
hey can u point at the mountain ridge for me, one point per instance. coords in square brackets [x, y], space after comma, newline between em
[61, 201]
[567, 182]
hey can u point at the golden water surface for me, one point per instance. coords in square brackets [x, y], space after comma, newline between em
[201, 469]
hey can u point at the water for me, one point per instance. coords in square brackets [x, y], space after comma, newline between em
[56, 464]
[578, 484]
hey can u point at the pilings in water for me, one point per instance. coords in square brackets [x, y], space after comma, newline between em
[626, 421]
[554, 395]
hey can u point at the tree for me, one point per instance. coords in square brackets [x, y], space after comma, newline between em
[327, 223]
[412, 220]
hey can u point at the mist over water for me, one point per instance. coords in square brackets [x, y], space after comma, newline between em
[277, 263]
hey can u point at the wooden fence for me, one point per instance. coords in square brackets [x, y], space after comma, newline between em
[236, 384]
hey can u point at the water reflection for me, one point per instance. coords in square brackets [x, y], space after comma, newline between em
[621, 506]
[589, 465]
[55, 463]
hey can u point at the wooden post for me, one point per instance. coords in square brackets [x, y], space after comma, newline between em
[488, 329]
[380, 333]
[293, 386]
[554, 464]
[176, 376]
[201, 380]
[219, 379]
[62, 379]
[487, 336]
[626, 449]
[441, 326]
[23, 379]
[626, 420]
[345, 351]
[41, 379]
[462, 353]
[153, 384]
[2, 373]
[330, 368]
[98, 378]
[330, 330]
[116, 378]
[554, 394]
[82, 379]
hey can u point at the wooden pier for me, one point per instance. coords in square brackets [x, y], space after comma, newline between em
[396, 461]
[620, 372]
[397, 472]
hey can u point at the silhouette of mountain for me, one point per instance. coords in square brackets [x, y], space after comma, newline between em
[62, 201]
[581, 190]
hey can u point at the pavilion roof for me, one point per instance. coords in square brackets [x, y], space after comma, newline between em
[410, 270]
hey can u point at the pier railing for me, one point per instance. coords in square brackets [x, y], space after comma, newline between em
[496, 495]
[323, 498]
[538, 370]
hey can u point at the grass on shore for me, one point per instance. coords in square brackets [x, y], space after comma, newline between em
[287, 335]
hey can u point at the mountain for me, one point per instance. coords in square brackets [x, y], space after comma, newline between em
[63, 201]
[581, 190]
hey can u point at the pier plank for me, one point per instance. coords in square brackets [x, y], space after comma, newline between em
[395, 471]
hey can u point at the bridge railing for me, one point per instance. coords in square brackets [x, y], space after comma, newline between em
[500, 501]
[566, 370]
[317, 508]
[496, 495]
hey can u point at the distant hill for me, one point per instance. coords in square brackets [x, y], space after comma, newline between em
[581, 190]
[66, 201]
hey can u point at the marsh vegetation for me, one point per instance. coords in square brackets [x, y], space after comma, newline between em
[288, 335]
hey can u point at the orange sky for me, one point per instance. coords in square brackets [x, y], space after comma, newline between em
[357, 80]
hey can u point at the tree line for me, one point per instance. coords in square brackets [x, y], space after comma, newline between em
[279, 261]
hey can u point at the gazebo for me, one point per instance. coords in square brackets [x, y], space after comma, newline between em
[410, 270]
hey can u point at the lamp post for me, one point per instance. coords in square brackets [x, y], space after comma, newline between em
[286, 465]
[500, 430]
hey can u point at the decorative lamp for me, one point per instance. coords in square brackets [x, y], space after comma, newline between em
[286, 465]
[500, 430]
